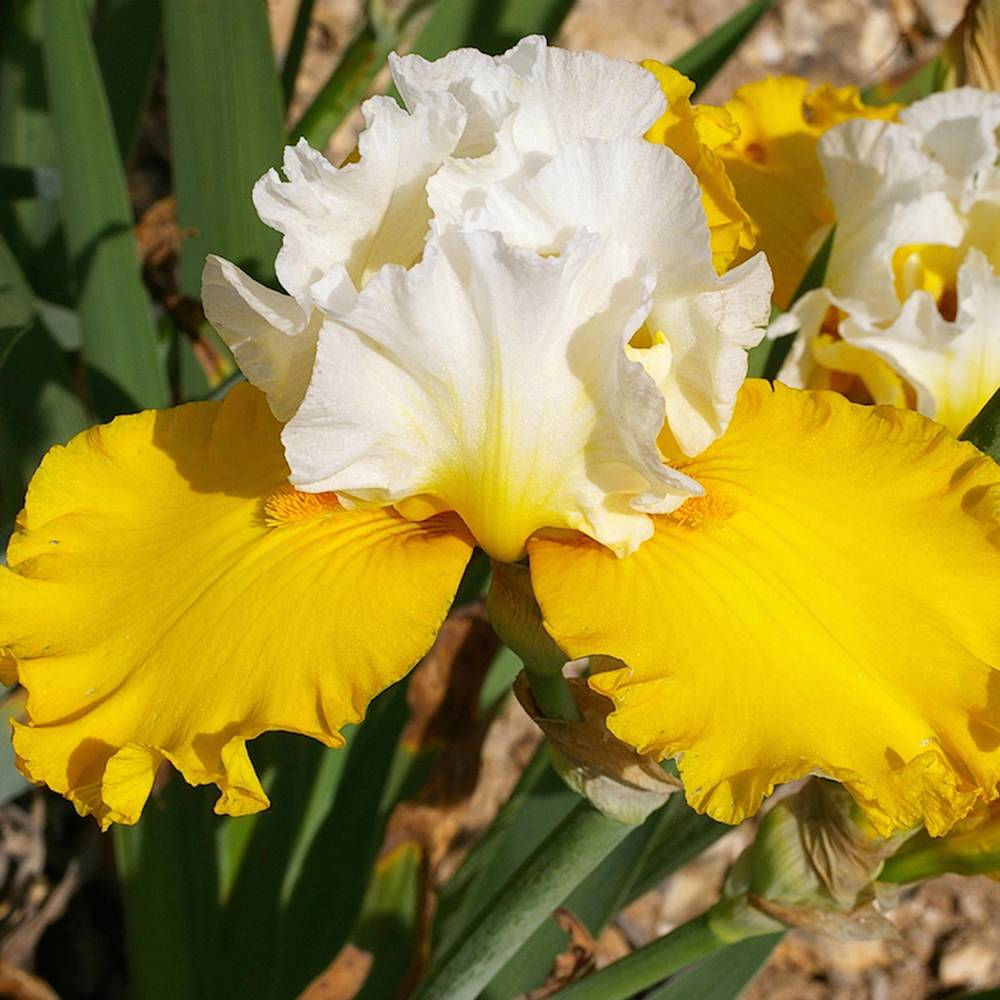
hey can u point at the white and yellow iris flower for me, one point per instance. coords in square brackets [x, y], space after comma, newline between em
[907, 314]
[528, 348]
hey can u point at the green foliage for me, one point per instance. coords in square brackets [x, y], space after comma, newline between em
[704, 59]
[766, 359]
[119, 339]
[226, 129]
[258, 906]
[984, 428]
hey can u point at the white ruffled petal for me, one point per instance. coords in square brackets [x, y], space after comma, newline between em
[494, 382]
[486, 86]
[364, 214]
[552, 105]
[647, 197]
[953, 366]
[270, 335]
[958, 130]
[886, 193]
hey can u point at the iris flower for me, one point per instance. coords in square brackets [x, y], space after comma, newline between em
[504, 328]
[907, 314]
[775, 168]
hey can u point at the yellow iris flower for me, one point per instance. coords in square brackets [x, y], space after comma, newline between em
[791, 583]
[775, 169]
[906, 314]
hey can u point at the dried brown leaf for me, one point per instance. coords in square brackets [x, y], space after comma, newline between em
[574, 962]
[343, 978]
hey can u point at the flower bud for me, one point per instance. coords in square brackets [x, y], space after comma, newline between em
[618, 781]
[813, 864]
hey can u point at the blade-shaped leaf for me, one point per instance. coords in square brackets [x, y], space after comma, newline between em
[704, 59]
[226, 129]
[127, 40]
[296, 46]
[984, 428]
[766, 359]
[722, 976]
[119, 339]
[491, 27]
[38, 408]
[668, 839]
[32, 226]
[17, 304]
[170, 882]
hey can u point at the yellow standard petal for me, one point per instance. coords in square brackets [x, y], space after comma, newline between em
[694, 132]
[776, 171]
[828, 606]
[169, 597]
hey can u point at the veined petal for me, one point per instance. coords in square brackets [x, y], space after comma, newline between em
[493, 382]
[170, 597]
[829, 606]
[954, 366]
[646, 196]
[366, 213]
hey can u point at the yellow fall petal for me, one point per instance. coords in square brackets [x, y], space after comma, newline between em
[694, 132]
[829, 606]
[169, 597]
[775, 167]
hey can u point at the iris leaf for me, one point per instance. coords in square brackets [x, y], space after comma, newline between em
[766, 359]
[704, 59]
[119, 339]
[226, 129]
[296, 46]
[668, 839]
[17, 304]
[722, 976]
[984, 428]
[127, 40]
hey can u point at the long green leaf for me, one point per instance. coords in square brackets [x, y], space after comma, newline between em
[703, 60]
[491, 27]
[984, 428]
[169, 875]
[17, 304]
[226, 129]
[346, 86]
[557, 866]
[38, 408]
[336, 861]
[296, 46]
[539, 803]
[668, 839]
[390, 921]
[722, 976]
[31, 225]
[127, 40]
[766, 359]
[119, 339]
[649, 966]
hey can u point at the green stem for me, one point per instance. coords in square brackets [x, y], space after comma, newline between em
[552, 694]
[571, 852]
[650, 965]
[346, 87]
